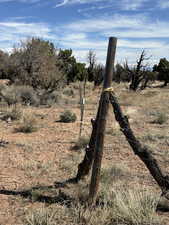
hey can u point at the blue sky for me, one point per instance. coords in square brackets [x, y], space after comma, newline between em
[87, 24]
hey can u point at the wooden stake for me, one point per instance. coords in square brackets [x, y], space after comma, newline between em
[104, 106]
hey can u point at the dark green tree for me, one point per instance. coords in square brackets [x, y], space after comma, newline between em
[73, 70]
[4, 63]
[67, 64]
[163, 70]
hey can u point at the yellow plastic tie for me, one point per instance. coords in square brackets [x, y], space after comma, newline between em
[110, 89]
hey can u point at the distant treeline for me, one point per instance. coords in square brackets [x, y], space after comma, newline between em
[38, 63]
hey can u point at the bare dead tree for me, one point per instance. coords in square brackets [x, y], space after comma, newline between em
[138, 73]
[91, 59]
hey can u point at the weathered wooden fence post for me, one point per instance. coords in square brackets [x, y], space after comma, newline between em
[101, 123]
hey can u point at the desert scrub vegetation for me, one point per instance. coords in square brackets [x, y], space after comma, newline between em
[9, 95]
[81, 143]
[49, 99]
[161, 118]
[56, 215]
[27, 95]
[68, 91]
[13, 112]
[67, 117]
[124, 207]
[28, 124]
[136, 207]
[23, 94]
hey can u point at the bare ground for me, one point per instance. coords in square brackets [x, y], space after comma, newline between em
[31, 163]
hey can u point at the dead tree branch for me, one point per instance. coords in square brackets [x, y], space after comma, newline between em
[140, 150]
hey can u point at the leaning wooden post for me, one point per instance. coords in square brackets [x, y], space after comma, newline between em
[101, 123]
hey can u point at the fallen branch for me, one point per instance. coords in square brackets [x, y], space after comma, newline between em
[142, 151]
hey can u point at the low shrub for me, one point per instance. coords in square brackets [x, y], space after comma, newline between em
[67, 117]
[28, 125]
[50, 98]
[27, 95]
[81, 143]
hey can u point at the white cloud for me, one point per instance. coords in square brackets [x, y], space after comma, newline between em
[13, 32]
[134, 34]
[163, 4]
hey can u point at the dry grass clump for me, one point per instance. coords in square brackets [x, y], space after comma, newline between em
[124, 207]
[161, 118]
[12, 113]
[28, 124]
[135, 207]
[48, 216]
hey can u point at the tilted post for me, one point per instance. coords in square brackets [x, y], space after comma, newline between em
[101, 123]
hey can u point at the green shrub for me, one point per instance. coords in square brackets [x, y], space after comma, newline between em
[28, 124]
[68, 117]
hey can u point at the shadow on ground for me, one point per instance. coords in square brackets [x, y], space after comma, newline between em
[61, 198]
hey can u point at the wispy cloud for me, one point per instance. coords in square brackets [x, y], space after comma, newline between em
[64, 2]
[121, 4]
[134, 33]
[132, 4]
[127, 5]
[137, 26]
[22, 1]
